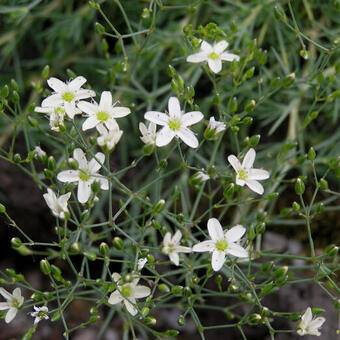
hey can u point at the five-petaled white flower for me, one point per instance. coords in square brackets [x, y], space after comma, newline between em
[104, 113]
[128, 292]
[148, 133]
[175, 124]
[222, 243]
[58, 205]
[40, 314]
[216, 125]
[86, 174]
[171, 246]
[213, 55]
[245, 174]
[56, 114]
[14, 302]
[308, 325]
[108, 139]
[67, 94]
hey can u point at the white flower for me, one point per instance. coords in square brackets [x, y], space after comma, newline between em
[222, 243]
[104, 113]
[171, 246]
[148, 133]
[216, 125]
[67, 94]
[58, 205]
[108, 139]
[246, 174]
[141, 263]
[202, 176]
[56, 114]
[14, 302]
[308, 325]
[40, 314]
[39, 152]
[213, 55]
[128, 293]
[86, 175]
[175, 124]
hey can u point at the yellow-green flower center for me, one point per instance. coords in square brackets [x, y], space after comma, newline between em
[67, 96]
[84, 176]
[171, 247]
[213, 56]
[126, 290]
[242, 174]
[16, 304]
[103, 116]
[221, 245]
[59, 111]
[174, 124]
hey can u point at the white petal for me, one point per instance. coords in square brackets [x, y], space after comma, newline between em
[174, 107]
[229, 56]
[220, 46]
[255, 186]
[234, 162]
[105, 99]
[11, 315]
[84, 93]
[167, 238]
[90, 123]
[116, 277]
[235, 233]
[115, 298]
[204, 246]
[141, 292]
[96, 163]
[68, 176]
[48, 110]
[197, 57]
[4, 305]
[143, 129]
[17, 294]
[5, 294]
[53, 100]
[215, 229]
[215, 65]
[70, 109]
[174, 258]
[57, 85]
[157, 117]
[206, 47]
[191, 118]
[177, 237]
[240, 182]
[236, 250]
[181, 249]
[258, 174]
[164, 136]
[76, 83]
[317, 322]
[131, 308]
[249, 159]
[188, 137]
[63, 199]
[84, 191]
[79, 156]
[89, 108]
[307, 316]
[217, 260]
[120, 111]
[104, 183]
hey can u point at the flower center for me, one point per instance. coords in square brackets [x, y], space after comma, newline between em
[59, 111]
[221, 245]
[103, 116]
[67, 96]
[126, 290]
[213, 56]
[171, 247]
[242, 174]
[16, 304]
[84, 176]
[41, 315]
[174, 124]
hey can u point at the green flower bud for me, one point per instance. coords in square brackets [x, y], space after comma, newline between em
[254, 319]
[233, 105]
[5, 91]
[17, 158]
[99, 28]
[288, 80]
[94, 5]
[296, 206]
[163, 288]
[311, 154]
[186, 292]
[250, 106]
[2, 209]
[299, 186]
[272, 196]
[150, 258]
[260, 228]
[254, 140]
[171, 333]
[51, 163]
[148, 149]
[176, 290]
[181, 320]
[45, 267]
[275, 82]
[16, 242]
[118, 243]
[229, 191]
[150, 321]
[145, 311]
[104, 249]
[75, 247]
[89, 255]
[15, 97]
[251, 233]
[73, 164]
[323, 184]
[158, 207]
[45, 72]
[48, 174]
[331, 250]
[163, 164]
[267, 267]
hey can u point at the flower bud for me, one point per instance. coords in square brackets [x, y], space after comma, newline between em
[229, 190]
[331, 250]
[323, 184]
[45, 267]
[250, 106]
[2, 209]
[150, 321]
[171, 333]
[118, 243]
[299, 186]
[16, 242]
[103, 249]
[91, 256]
[75, 247]
[254, 319]
[51, 163]
[164, 288]
[73, 164]
[181, 320]
[311, 154]
[176, 290]
[288, 80]
[158, 207]
[148, 149]
[296, 206]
